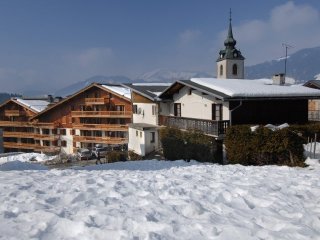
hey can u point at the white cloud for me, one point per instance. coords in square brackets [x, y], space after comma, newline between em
[297, 25]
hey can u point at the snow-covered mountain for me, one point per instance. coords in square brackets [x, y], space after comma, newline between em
[98, 79]
[159, 75]
[302, 65]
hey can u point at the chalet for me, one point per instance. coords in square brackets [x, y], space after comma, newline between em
[18, 132]
[143, 132]
[97, 114]
[211, 104]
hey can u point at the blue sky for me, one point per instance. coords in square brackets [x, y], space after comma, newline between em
[49, 44]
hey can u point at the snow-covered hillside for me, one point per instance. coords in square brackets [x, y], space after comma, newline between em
[161, 200]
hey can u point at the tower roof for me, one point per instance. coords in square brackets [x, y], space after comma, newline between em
[230, 51]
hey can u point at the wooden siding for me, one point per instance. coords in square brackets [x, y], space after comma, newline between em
[270, 111]
[137, 98]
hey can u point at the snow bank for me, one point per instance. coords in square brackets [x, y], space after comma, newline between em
[26, 157]
[21, 166]
[177, 200]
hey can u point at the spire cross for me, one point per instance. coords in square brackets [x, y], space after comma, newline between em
[230, 15]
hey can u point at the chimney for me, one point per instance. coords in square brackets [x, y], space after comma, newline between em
[279, 79]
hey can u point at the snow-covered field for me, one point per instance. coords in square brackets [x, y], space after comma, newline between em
[160, 200]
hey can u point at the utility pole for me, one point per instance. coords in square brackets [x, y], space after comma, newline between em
[285, 60]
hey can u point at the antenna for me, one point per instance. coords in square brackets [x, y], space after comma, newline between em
[285, 60]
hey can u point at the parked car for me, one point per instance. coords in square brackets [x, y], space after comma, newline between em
[102, 151]
[83, 154]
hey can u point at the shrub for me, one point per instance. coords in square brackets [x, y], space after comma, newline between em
[134, 157]
[263, 147]
[116, 156]
[188, 145]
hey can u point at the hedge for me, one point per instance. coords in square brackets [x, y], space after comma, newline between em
[188, 145]
[264, 146]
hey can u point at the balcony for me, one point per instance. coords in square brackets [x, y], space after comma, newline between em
[209, 127]
[96, 101]
[102, 127]
[18, 134]
[49, 125]
[102, 114]
[14, 124]
[46, 149]
[105, 140]
[13, 113]
[18, 145]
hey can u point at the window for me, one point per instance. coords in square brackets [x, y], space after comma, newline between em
[63, 143]
[140, 134]
[221, 70]
[177, 109]
[217, 112]
[190, 91]
[63, 132]
[153, 136]
[154, 110]
[234, 69]
[135, 108]
[120, 108]
[137, 133]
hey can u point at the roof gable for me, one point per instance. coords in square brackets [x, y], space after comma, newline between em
[100, 86]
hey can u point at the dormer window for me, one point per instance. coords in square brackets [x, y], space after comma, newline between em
[235, 54]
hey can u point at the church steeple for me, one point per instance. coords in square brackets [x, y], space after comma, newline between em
[230, 63]
[230, 42]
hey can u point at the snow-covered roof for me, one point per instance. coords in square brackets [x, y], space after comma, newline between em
[254, 88]
[151, 84]
[123, 91]
[36, 105]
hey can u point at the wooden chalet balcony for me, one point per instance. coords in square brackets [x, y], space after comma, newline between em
[51, 137]
[49, 125]
[18, 134]
[14, 124]
[96, 101]
[18, 145]
[102, 114]
[46, 149]
[102, 127]
[210, 127]
[105, 140]
[13, 113]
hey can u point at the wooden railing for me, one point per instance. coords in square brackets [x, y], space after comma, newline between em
[314, 115]
[18, 145]
[18, 134]
[14, 124]
[214, 128]
[109, 114]
[45, 125]
[106, 140]
[46, 149]
[13, 113]
[104, 127]
[96, 101]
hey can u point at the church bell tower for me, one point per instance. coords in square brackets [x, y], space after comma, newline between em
[230, 63]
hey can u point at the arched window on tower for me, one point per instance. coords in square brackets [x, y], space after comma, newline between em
[235, 69]
[221, 70]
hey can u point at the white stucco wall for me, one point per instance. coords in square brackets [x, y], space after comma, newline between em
[197, 105]
[142, 144]
[145, 116]
[136, 143]
[69, 140]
